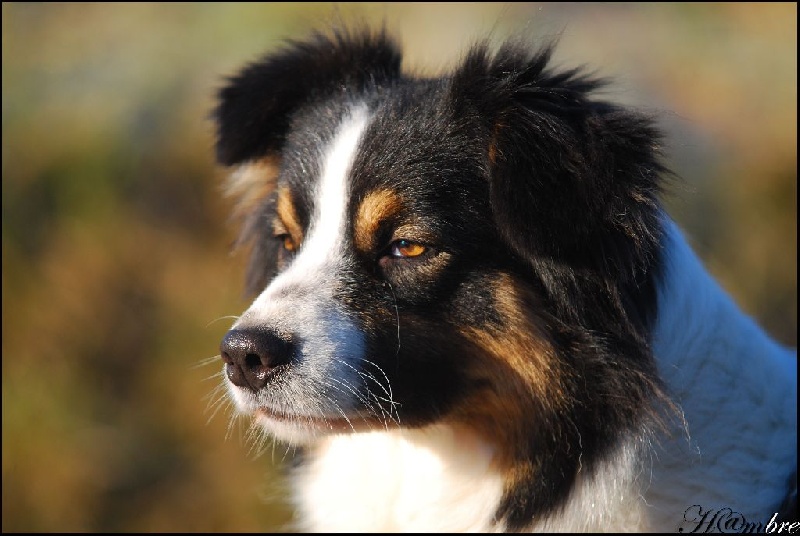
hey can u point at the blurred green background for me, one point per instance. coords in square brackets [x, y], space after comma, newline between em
[117, 273]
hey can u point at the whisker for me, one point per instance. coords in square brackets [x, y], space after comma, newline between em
[367, 375]
[217, 395]
[227, 317]
[258, 439]
[207, 361]
[353, 390]
[286, 452]
[367, 395]
[388, 387]
[397, 314]
[341, 412]
[219, 401]
[235, 419]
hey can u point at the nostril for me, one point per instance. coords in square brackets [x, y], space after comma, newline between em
[253, 361]
[251, 354]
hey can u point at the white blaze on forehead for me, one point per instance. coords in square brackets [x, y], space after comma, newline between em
[321, 251]
[300, 302]
[330, 215]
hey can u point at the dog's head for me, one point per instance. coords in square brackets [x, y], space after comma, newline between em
[477, 248]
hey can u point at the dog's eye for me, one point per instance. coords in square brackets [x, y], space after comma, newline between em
[287, 242]
[406, 249]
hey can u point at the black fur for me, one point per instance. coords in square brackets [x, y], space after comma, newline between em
[257, 105]
[573, 188]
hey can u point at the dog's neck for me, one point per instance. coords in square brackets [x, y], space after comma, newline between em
[443, 479]
[433, 479]
[737, 390]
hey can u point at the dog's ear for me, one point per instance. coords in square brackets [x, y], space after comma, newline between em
[256, 106]
[572, 180]
[573, 186]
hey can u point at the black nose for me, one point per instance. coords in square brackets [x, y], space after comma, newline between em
[251, 355]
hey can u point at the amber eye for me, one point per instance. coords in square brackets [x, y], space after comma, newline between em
[406, 249]
[287, 242]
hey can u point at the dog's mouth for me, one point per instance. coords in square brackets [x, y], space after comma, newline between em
[291, 425]
[311, 421]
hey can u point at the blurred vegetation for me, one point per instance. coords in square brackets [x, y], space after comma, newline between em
[116, 268]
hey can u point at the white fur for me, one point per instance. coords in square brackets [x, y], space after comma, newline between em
[738, 391]
[320, 254]
[434, 479]
[444, 479]
[300, 302]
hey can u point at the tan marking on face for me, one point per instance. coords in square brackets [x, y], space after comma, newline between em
[287, 213]
[377, 207]
[521, 377]
[492, 153]
[493, 150]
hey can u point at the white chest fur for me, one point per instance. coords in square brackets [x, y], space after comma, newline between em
[433, 479]
[441, 479]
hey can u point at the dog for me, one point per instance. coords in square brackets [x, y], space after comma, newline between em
[472, 312]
